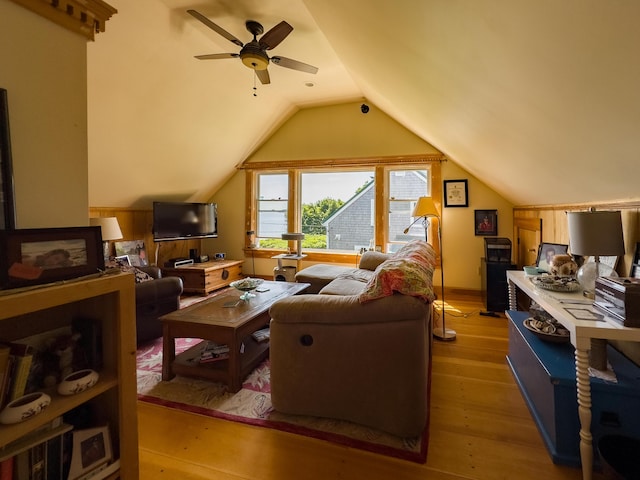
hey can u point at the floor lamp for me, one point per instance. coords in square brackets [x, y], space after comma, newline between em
[425, 208]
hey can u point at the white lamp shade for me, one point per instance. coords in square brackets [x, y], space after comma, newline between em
[109, 226]
[596, 233]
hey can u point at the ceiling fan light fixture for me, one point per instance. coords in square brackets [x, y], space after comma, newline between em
[255, 61]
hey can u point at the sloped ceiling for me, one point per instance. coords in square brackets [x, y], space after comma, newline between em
[539, 99]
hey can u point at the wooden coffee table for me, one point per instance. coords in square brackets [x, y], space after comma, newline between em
[214, 320]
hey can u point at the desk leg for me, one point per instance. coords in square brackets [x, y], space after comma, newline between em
[584, 407]
[168, 353]
[513, 302]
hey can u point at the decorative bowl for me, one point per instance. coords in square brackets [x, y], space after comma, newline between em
[548, 330]
[247, 285]
[556, 283]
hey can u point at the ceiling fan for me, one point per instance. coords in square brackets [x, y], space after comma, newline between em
[254, 54]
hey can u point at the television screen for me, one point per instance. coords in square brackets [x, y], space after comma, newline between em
[180, 220]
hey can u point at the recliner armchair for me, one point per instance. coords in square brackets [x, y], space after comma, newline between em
[155, 298]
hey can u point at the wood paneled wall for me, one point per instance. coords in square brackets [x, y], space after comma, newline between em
[555, 227]
[137, 225]
[555, 230]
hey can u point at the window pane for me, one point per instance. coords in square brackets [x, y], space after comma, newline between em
[405, 187]
[338, 210]
[272, 205]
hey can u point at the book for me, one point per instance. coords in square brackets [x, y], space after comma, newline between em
[261, 335]
[213, 352]
[22, 359]
[6, 469]
[5, 371]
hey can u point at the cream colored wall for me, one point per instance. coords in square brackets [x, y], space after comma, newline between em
[342, 131]
[44, 72]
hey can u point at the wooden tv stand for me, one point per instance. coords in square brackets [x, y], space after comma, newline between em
[206, 277]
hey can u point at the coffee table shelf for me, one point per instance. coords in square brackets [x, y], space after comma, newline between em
[214, 320]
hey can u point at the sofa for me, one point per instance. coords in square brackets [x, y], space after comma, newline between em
[359, 350]
[155, 296]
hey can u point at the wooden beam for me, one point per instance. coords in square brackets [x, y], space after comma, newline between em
[86, 17]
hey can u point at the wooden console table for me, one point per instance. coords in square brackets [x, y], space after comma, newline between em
[581, 332]
[206, 277]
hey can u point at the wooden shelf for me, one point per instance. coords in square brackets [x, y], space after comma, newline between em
[110, 301]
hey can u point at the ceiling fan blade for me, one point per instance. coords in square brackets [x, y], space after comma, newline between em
[263, 76]
[219, 30]
[277, 34]
[294, 64]
[215, 56]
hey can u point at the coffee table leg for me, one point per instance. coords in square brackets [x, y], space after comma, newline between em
[168, 353]
[235, 382]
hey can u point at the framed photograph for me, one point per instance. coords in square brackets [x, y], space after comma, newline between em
[608, 260]
[546, 251]
[123, 261]
[46, 255]
[135, 250]
[91, 450]
[486, 222]
[7, 200]
[456, 193]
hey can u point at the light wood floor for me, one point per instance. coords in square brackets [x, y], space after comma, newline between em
[480, 428]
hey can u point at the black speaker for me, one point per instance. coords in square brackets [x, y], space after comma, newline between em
[193, 254]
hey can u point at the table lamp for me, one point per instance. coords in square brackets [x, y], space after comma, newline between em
[110, 231]
[595, 233]
[425, 209]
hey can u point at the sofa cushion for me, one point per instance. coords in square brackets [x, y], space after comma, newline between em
[348, 283]
[409, 272]
[370, 260]
[319, 275]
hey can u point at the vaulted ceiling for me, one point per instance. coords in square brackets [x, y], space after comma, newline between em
[539, 99]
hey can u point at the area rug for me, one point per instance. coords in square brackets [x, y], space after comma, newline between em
[252, 405]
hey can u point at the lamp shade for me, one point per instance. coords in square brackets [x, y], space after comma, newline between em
[596, 233]
[109, 226]
[425, 207]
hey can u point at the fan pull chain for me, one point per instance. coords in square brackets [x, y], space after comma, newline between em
[255, 90]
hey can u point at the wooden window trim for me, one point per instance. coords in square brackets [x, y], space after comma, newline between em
[294, 169]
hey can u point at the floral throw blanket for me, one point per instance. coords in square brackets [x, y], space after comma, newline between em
[409, 272]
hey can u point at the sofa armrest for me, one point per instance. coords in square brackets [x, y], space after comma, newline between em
[152, 271]
[346, 309]
[165, 287]
[370, 260]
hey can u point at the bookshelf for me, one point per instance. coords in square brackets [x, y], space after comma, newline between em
[108, 300]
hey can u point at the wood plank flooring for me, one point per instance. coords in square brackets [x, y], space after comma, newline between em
[480, 428]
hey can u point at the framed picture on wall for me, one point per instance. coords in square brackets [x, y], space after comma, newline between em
[456, 193]
[486, 222]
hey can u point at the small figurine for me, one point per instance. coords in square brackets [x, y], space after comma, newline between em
[563, 266]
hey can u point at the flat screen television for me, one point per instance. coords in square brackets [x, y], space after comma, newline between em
[184, 220]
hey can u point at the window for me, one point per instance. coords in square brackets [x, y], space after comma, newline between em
[338, 209]
[405, 186]
[273, 201]
[341, 210]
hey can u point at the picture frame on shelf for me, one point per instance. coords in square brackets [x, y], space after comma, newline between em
[123, 261]
[135, 250]
[608, 260]
[486, 222]
[91, 450]
[7, 200]
[546, 251]
[46, 255]
[456, 193]
[634, 271]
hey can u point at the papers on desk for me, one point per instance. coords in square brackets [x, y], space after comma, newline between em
[585, 314]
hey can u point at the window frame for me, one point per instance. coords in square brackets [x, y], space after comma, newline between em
[380, 166]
